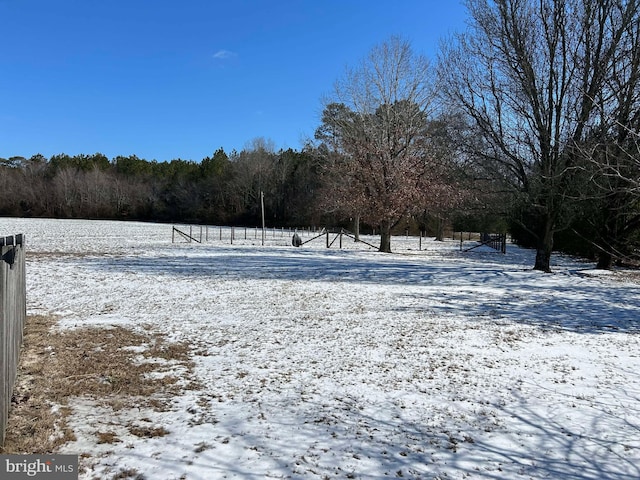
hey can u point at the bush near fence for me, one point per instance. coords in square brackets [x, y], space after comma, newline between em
[13, 312]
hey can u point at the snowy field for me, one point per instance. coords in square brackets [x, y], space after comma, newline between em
[318, 363]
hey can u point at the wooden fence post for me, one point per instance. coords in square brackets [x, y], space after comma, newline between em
[13, 312]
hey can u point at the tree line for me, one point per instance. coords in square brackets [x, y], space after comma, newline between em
[221, 189]
[528, 122]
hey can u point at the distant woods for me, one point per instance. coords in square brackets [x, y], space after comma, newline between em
[221, 189]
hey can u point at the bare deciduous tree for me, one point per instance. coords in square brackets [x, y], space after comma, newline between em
[614, 153]
[375, 119]
[527, 76]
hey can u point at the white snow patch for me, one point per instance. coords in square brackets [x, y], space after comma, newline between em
[328, 363]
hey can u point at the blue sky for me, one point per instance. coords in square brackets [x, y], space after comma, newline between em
[179, 79]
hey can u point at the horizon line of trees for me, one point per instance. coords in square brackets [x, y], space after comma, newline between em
[224, 189]
[221, 189]
[300, 189]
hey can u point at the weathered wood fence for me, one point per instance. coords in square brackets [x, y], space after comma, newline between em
[13, 311]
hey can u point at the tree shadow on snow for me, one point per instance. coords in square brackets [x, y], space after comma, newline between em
[546, 445]
[481, 286]
[353, 436]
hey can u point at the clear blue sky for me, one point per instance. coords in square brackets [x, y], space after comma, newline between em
[179, 79]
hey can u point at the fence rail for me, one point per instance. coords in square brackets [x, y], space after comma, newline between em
[227, 234]
[497, 241]
[284, 236]
[13, 311]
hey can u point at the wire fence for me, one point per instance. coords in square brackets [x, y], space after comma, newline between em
[322, 237]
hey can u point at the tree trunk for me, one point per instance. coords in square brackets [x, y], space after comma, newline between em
[439, 229]
[385, 237]
[605, 260]
[545, 247]
[356, 228]
[609, 232]
[543, 260]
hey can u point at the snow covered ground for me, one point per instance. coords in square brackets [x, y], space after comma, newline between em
[328, 363]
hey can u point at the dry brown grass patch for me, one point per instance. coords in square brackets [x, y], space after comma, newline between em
[632, 276]
[148, 432]
[114, 366]
[108, 437]
[129, 473]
